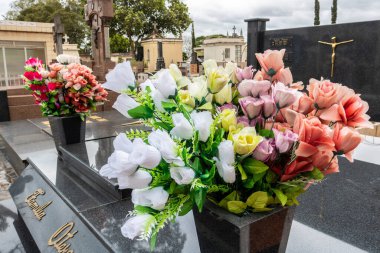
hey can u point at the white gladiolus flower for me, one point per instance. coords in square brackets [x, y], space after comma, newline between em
[209, 65]
[138, 180]
[147, 83]
[144, 155]
[182, 127]
[155, 198]
[224, 96]
[226, 160]
[158, 98]
[230, 68]
[183, 82]
[167, 147]
[182, 175]
[135, 226]
[202, 123]
[121, 142]
[118, 162]
[165, 83]
[120, 77]
[175, 72]
[124, 103]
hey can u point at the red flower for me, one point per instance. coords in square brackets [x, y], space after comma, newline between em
[52, 86]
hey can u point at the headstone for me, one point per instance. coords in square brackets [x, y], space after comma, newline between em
[58, 30]
[344, 53]
[98, 15]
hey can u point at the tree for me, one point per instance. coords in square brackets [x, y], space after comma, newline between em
[316, 12]
[136, 18]
[192, 36]
[119, 44]
[334, 11]
[71, 12]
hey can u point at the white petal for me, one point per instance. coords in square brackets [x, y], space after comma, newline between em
[121, 142]
[135, 226]
[120, 162]
[165, 83]
[155, 198]
[144, 155]
[147, 83]
[167, 147]
[124, 103]
[182, 127]
[182, 175]
[202, 123]
[120, 77]
[158, 98]
[108, 171]
[226, 152]
[138, 180]
[227, 172]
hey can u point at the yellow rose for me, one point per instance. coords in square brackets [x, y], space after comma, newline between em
[224, 96]
[216, 80]
[246, 141]
[228, 118]
[184, 97]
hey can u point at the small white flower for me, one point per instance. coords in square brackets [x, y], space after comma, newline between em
[155, 198]
[202, 123]
[158, 98]
[165, 83]
[144, 155]
[118, 162]
[226, 160]
[136, 225]
[167, 147]
[182, 175]
[121, 142]
[124, 103]
[138, 180]
[120, 78]
[182, 127]
[198, 88]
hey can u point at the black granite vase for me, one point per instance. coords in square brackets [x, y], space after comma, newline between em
[222, 232]
[67, 130]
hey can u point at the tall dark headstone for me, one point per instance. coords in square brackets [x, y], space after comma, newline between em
[255, 38]
[98, 15]
[160, 64]
[4, 109]
[58, 30]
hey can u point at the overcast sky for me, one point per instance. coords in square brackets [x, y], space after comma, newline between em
[218, 16]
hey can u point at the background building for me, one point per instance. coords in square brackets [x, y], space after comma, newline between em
[19, 41]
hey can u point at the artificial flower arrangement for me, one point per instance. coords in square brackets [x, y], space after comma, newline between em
[247, 141]
[63, 89]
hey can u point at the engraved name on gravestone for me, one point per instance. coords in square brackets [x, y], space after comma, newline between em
[283, 42]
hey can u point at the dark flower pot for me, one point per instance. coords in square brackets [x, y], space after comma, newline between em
[222, 232]
[67, 130]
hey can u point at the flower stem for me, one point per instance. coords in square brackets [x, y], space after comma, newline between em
[328, 165]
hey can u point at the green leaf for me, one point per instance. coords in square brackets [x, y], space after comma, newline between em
[242, 172]
[236, 207]
[200, 197]
[162, 125]
[186, 114]
[186, 207]
[254, 166]
[169, 106]
[145, 210]
[315, 174]
[153, 241]
[172, 187]
[207, 106]
[271, 177]
[197, 165]
[257, 200]
[266, 133]
[249, 183]
[280, 196]
[141, 112]
[230, 197]
[207, 177]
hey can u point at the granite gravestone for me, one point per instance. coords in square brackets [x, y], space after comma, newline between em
[344, 53]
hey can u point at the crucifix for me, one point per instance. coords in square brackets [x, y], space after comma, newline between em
[234, 34]
[333, 45]
[66, 38]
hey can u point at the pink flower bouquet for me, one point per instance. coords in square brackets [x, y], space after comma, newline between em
[63, 90]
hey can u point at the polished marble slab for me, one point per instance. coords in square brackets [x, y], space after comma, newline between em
[346, 205]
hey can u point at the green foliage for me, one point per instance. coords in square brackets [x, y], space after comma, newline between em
[71, 12]
[136, 133]
[199, 40]
[253, 166]
[316, 12]
[141, 112]
[192, 36]
[135, 18]
[334, 11]
[237, 207]
[119, 44]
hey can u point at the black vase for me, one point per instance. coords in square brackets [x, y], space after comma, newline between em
[67, 130]
[220, 231]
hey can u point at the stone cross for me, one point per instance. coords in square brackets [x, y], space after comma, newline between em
[66, 38]
[58, 30]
